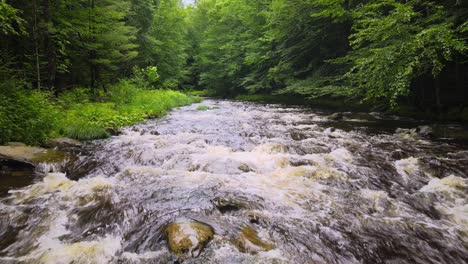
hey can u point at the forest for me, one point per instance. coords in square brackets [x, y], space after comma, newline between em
[233, 131]
[65, 63]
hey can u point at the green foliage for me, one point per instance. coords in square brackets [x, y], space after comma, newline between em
[126, 104]
[169, 50]
[203, 108]
[25, 116]
[10, 21]
[85, 131]
[79, 94]
[146, 78]
[393, 44]
[372, 50]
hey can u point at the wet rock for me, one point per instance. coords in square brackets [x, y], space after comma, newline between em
[234, 202]
[14, 174]
[425, 131]
[154, 133]
[33, 155]
[407, 134]
[188, 238]
[228, 204]
[249, 242]
[399, 154]
[253, 218]
[113, 131]
[15, 144]
[63, 143]
[244, 168]
[362, 116]
[297, 136]
[336, 116]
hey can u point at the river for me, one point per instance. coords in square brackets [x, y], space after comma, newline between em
[315, 190]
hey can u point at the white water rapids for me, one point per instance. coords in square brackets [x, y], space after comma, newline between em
[315, 190]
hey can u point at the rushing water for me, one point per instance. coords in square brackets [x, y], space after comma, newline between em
[319, 191]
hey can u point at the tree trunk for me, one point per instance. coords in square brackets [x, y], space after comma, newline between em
[92, 52]
[437, 95]
[50, 47]
[36, 47]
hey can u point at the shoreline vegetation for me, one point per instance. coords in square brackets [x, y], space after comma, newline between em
[406, 58]
[457, 114]
[32, 117]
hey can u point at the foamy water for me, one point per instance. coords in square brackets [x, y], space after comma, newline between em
[317, 193]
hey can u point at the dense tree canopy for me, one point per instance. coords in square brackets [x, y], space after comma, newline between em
[372, 50]
[380, 51]
[61, 44]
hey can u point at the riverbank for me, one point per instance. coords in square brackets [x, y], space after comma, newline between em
[251, 183]
[32, 117]
[459, 114]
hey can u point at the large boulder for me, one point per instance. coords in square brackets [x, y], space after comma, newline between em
[248, 241]
[33, 155]
[188, 238]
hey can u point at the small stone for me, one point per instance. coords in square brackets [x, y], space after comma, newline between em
[244, 168]
[188, 238]
[254, 218]
[249, 242]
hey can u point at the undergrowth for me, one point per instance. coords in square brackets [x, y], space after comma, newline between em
[32, 116]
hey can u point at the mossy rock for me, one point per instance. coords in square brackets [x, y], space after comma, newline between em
[34, 155]
[15, 144]
[249, 242]
[188, 238]
[63, 143]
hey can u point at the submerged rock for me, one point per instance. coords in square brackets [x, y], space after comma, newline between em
[188, 238]
[425, 131]
[33, 155]
[230, 202]
[249, 242]
[63, 143]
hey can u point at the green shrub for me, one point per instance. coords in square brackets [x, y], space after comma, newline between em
[123, 92]
[25, 116]
[85, 131]
[204, 93]
[127, 104]
[31, 117]
[145, 78]
[80, 94]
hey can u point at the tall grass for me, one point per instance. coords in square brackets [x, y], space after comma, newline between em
[125, 105]
[32, 117]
